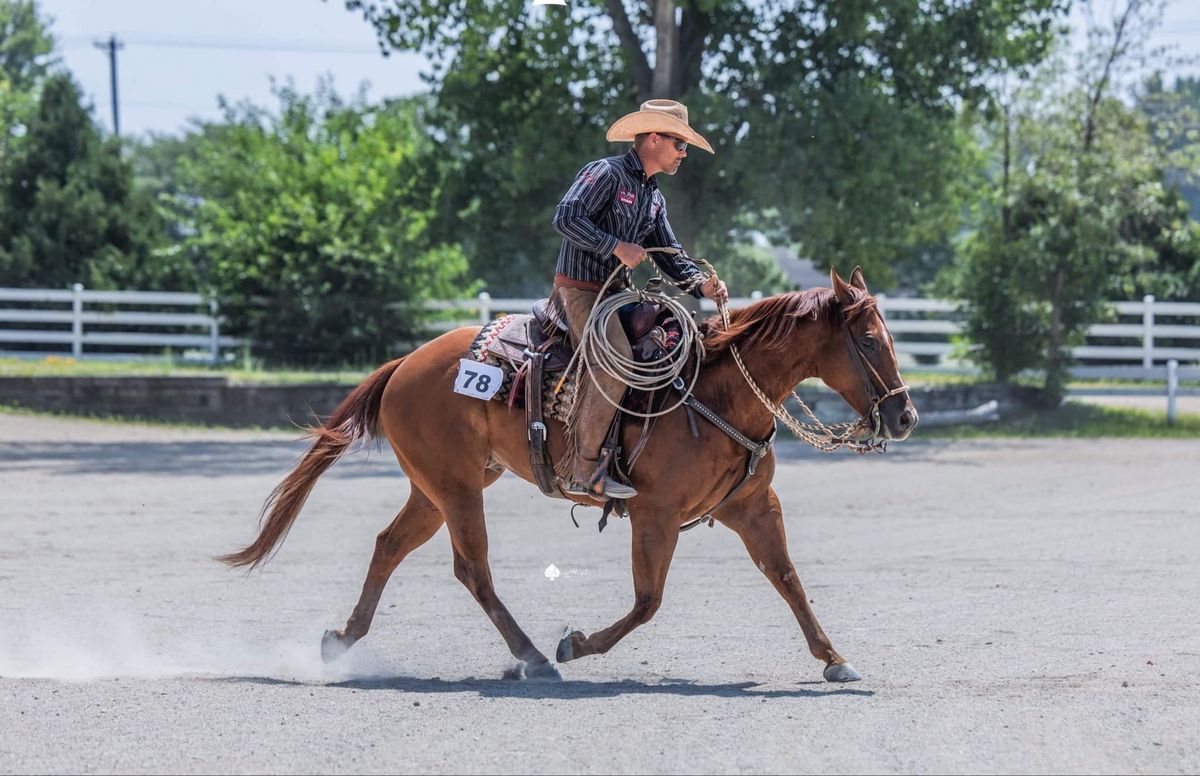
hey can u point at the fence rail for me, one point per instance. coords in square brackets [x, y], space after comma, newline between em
[926, 330]
[1137, 345]
[72, 329]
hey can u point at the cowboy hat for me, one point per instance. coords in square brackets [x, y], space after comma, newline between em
[666, 117]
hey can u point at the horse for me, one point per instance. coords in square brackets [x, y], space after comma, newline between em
[453, 446]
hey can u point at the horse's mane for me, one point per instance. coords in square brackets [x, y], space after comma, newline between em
[768, 325]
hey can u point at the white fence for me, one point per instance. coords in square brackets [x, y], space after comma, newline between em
[59, 322]
[1146, 335]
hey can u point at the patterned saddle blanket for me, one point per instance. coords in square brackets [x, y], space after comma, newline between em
[502, 343]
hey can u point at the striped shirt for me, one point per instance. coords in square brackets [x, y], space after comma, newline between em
[612, 200]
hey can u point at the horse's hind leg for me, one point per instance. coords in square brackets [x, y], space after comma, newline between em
[760, 525]
[417, 522]
[653, 546]
[464, 519]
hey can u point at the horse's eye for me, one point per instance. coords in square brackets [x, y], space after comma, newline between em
[869, 343]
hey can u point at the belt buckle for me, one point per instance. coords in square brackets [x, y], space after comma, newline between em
[537, 426]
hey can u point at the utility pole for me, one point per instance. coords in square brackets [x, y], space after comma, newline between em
[110, 47]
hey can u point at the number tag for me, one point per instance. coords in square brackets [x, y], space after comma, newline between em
[478, 380]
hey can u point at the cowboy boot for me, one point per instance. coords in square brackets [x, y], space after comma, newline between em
[589, 476]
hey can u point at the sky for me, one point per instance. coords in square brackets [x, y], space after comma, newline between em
[179, 55]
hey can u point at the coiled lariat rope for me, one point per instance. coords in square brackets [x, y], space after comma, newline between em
[595, 351]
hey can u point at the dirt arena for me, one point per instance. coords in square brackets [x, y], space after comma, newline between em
[1013, 606]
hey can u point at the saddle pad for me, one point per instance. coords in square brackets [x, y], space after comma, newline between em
[501, 344]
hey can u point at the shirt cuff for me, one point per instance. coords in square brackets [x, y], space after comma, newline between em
[608, 246]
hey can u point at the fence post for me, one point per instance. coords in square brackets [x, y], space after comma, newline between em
[1172, 389]
[77, 320]
[485, 307]
[756, 294]
[214, 343]
[1148, 331]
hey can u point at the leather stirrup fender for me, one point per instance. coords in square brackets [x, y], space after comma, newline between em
[543, 468]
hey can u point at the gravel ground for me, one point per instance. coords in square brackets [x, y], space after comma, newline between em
[1013, 606]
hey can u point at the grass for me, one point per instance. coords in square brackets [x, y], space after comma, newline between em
[111, 419]
[1078, 420]
[59, 366]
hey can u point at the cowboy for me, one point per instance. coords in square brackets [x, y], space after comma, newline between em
[614, 211]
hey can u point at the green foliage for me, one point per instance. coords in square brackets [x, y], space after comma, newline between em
[834, 123]
[1079, 213]
[1008, 334]
[25, 58]
[1077, 420]
[68, 209]
[313, 225]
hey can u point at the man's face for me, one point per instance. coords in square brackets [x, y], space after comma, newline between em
[666, 155]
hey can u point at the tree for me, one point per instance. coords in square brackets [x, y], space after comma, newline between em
[1079, 193]
[836, 118]
[26, 55]
[312, 225]
[68, 209]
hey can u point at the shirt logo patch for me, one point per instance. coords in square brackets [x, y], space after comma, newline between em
[626, 197]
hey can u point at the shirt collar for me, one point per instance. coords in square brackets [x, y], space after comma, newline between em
[633, 163]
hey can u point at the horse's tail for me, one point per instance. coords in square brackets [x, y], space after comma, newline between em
[357, 417]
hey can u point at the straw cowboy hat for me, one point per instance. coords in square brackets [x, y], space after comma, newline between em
[663, 116]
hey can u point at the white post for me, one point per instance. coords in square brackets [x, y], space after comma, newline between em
[77, 320]
[1148, 331]
[485, 307]
[1172, 389]
[756, 294]
[214, 343]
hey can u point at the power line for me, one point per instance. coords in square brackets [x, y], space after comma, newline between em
[294, 47]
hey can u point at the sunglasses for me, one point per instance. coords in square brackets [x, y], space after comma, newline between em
[680, 145]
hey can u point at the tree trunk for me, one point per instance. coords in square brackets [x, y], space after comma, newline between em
[666, 53]
[678, 55]
[1052, 392]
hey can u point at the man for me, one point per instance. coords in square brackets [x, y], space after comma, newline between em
[611, 213]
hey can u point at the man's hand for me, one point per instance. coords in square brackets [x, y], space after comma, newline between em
[714, 288]
[630, 255]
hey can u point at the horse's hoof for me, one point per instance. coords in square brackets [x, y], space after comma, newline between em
[841, 672]
[514, 674]
[332, 646]
[566, 647]
[542, 671]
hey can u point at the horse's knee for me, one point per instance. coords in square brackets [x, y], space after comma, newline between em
[385, 543]
[644, 608]
[462, 570]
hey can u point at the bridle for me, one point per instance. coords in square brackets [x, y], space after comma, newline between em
[870, 378]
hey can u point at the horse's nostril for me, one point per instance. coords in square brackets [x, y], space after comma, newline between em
[906, 419]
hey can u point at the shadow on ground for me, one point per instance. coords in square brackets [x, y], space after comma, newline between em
[208, 458]
[565, 690]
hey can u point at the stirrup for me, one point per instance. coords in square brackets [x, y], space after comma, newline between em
[605, 488]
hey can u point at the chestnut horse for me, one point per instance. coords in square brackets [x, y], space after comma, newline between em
[453, 446]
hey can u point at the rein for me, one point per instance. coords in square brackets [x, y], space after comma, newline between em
[828, 438]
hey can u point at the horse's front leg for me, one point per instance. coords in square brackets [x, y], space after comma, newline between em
[759, 522]
[654, 542]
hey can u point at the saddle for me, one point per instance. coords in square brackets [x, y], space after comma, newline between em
[536, 345]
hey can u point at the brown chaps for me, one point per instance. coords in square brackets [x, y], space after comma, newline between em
[593, 414]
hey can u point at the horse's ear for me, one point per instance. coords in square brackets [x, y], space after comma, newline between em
[856, 280]
[844, 295]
